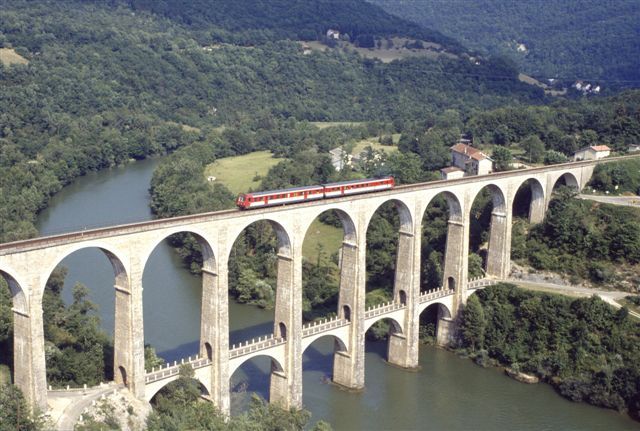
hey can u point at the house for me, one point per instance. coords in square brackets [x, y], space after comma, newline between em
[634, 148]
[451, 173]
[333, 34]
[471, 160]
[340, 159]
[593, 152]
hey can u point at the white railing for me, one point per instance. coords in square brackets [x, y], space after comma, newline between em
[434, 294]
[481, 282]
[255, 345]
[169, 369]
[379, 309]
[323, 325]
[84, 388]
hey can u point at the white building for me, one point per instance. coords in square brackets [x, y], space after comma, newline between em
[451, 173]
[471, 160]
[593, 152]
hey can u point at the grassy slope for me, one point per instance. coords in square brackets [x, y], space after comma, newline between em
[8, 57]
[238, 173]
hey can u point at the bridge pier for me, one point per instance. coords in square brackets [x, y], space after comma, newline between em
[29, 364]
[348, 366]
[214, 331]
[135, 322]
[499, 253]
[286, 383]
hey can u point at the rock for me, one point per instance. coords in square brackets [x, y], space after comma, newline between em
[521, 377]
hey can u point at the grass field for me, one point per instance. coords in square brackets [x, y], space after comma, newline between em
[325, 124]
[373, 143]
[8, 57]
[328, 237]
[238, 173]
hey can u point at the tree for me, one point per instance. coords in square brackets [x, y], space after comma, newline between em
[534, 148]
[15, 412]
[501, 159]
[473, 324]
[552, 157]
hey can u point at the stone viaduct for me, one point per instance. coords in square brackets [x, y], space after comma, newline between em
[26, 266]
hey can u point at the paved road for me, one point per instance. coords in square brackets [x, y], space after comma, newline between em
[67, 406]
[627, 201]
[609, 296]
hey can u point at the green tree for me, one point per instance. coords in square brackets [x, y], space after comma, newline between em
[501, 159]
[533, 148]
[474, 323]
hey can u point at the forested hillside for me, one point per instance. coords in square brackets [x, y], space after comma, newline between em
[105, 83]
[258, 21]
[577, 39]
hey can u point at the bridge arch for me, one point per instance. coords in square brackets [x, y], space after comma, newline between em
[435, 318]
[391, 215]
[395, 327]
[529, 190]
[339, 346]
[201, 237]
[567, 179]
[18, 297]
[441, 257]
[329, 264]
[489, 251]
[204, 389]
[116, 259]
[155, 286]
[122, 365]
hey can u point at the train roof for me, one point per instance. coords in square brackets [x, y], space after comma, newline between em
[363, 180]
[293, 189]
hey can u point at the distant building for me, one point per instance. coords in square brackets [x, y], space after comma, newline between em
[340, 159]
[333, 34]
[471, 160]
[634, 148]
[593, 152]
[451, 173]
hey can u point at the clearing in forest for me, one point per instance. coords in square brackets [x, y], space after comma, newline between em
[239, 173]
[8, 57]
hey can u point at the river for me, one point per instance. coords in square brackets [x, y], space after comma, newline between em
[447, 393]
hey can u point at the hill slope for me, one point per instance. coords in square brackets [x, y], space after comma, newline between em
[566, 39]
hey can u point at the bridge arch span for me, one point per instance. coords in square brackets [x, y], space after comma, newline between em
[498, 196]
[396, 327]
[445, 308]
[208, 254]
[284, 247]
[568, 178]
[116, 259]
[19, 298]
[453, 203]
[340, 342]
[276, 362]
[537, 201]
[404, 211]
[153, 389]
[348, 225]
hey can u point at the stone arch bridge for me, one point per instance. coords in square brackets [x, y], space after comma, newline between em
[26, 265]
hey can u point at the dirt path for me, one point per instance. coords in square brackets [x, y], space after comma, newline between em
[627, 201]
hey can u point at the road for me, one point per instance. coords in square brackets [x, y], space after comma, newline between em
[609, 296]
[627, 201]
[67, 406]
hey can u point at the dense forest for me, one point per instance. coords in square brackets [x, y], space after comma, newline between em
[587, 350]
[568, 40]
[104, 85]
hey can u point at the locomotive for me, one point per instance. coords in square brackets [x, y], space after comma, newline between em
[312, 193]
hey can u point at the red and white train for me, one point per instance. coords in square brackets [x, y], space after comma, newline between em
[311, 193]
